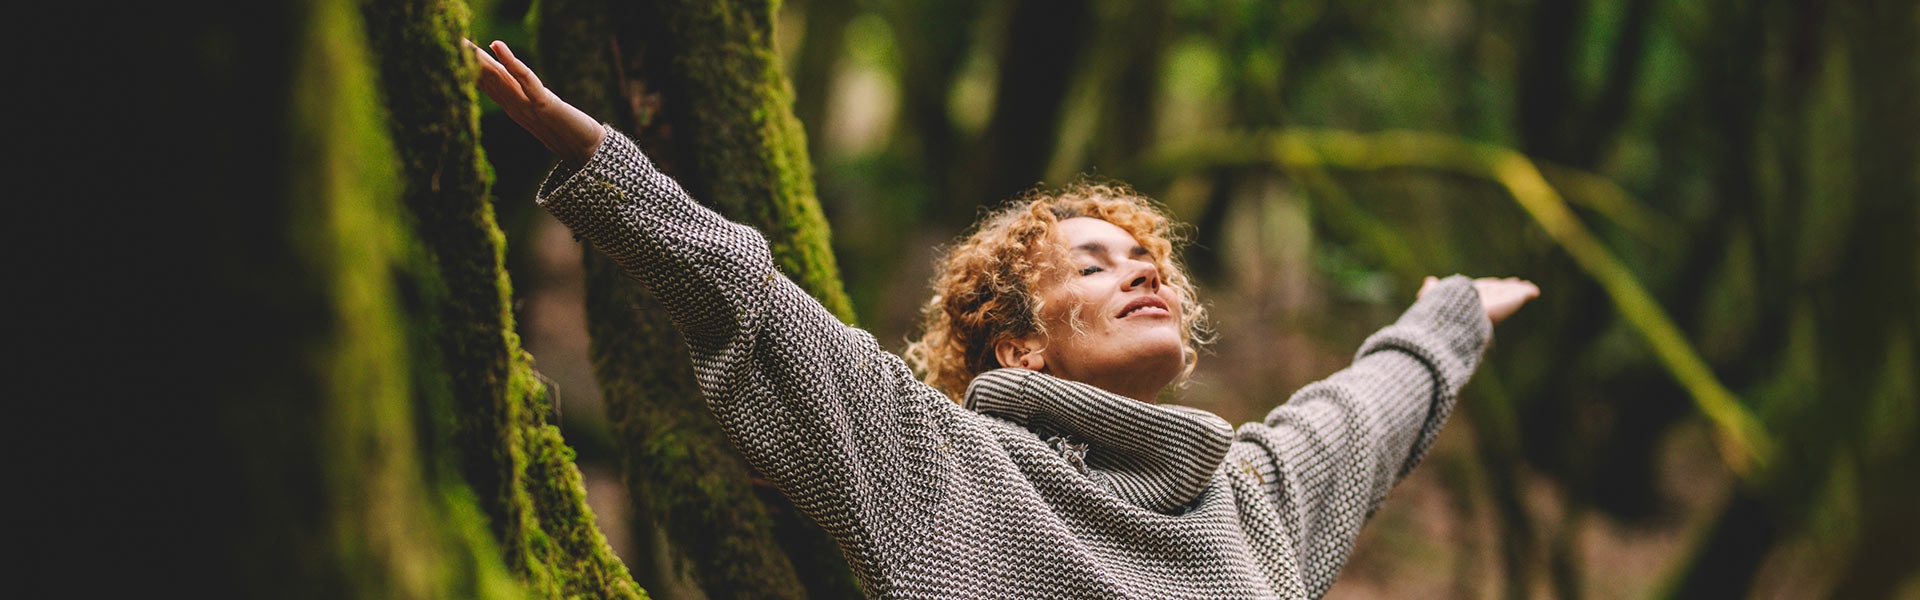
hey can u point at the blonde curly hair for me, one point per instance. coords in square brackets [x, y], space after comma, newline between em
[985, 288]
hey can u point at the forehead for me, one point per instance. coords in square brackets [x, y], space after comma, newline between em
[1085, 233]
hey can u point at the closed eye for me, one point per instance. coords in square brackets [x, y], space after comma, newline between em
[1091, 269]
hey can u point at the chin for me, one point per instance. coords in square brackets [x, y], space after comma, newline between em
[1164, 359]
[1159, 345]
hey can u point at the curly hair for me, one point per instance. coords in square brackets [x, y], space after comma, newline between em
[985, 288]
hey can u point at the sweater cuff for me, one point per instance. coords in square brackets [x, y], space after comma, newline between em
[564, 178]
[1448, 328]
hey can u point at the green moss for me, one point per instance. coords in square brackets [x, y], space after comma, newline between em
[681, 470]
[391, 528]
[749, 161]
[570, 534]
[709, 74]
[520, 469]
[707, 68]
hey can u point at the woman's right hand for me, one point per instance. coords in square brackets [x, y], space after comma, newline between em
[569, 132]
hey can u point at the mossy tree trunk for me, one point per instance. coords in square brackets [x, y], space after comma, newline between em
[521, 470]
[258, 401]
[699, 85]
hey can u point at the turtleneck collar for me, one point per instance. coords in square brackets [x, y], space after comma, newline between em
[1155, 456]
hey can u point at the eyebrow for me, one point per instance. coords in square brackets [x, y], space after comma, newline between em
[1092, 248]
[1097, 248]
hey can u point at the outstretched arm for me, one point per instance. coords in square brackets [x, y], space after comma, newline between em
[818, 407]
[569, 132]
[1324, 460]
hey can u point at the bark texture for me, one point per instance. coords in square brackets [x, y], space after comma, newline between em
[256, 432]
[500, 440]
[699, 86]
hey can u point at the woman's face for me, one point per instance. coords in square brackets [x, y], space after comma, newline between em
[1127, 339]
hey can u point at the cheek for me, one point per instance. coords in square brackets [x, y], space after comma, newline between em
[1064, 305]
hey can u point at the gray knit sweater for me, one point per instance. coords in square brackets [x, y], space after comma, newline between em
[1039, 487]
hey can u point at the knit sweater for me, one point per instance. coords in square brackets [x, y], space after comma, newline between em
[1039, 487]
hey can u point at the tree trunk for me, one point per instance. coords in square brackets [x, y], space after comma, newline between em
[247, 340]
[1045, 39]
[699, 86]
[522, 472]
[1862, 304]
[1873, 313]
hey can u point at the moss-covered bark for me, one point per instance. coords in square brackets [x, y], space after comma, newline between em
[699, 85]
[381, 520]
[741, 150]
[265, 440]
[500, 439]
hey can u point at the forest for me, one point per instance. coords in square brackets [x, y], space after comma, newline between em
[288, 323]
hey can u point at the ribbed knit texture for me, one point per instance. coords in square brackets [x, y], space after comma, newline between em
[1053, 489]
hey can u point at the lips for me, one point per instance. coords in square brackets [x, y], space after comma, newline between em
[1144, 305]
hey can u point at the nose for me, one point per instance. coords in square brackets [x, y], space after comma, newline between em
[1146, 275]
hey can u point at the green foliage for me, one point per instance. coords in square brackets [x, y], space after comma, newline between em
[1706, 192]
[1307, 152]
[1715, 197]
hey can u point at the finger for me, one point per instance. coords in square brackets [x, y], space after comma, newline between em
[521, 73]
[493, 76]
[1523, 287]
[487, 63]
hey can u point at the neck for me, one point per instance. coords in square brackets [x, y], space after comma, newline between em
[1144, 389]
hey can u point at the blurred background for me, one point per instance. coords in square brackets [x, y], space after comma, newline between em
[1715, 395]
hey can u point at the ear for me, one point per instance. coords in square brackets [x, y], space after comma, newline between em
[1026, 353]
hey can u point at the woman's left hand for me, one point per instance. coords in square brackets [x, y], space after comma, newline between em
[1501, 297]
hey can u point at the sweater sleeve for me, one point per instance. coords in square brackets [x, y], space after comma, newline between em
[1327, 458]
[839, 424]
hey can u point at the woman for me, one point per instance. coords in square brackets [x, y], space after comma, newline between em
[1056, 324]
